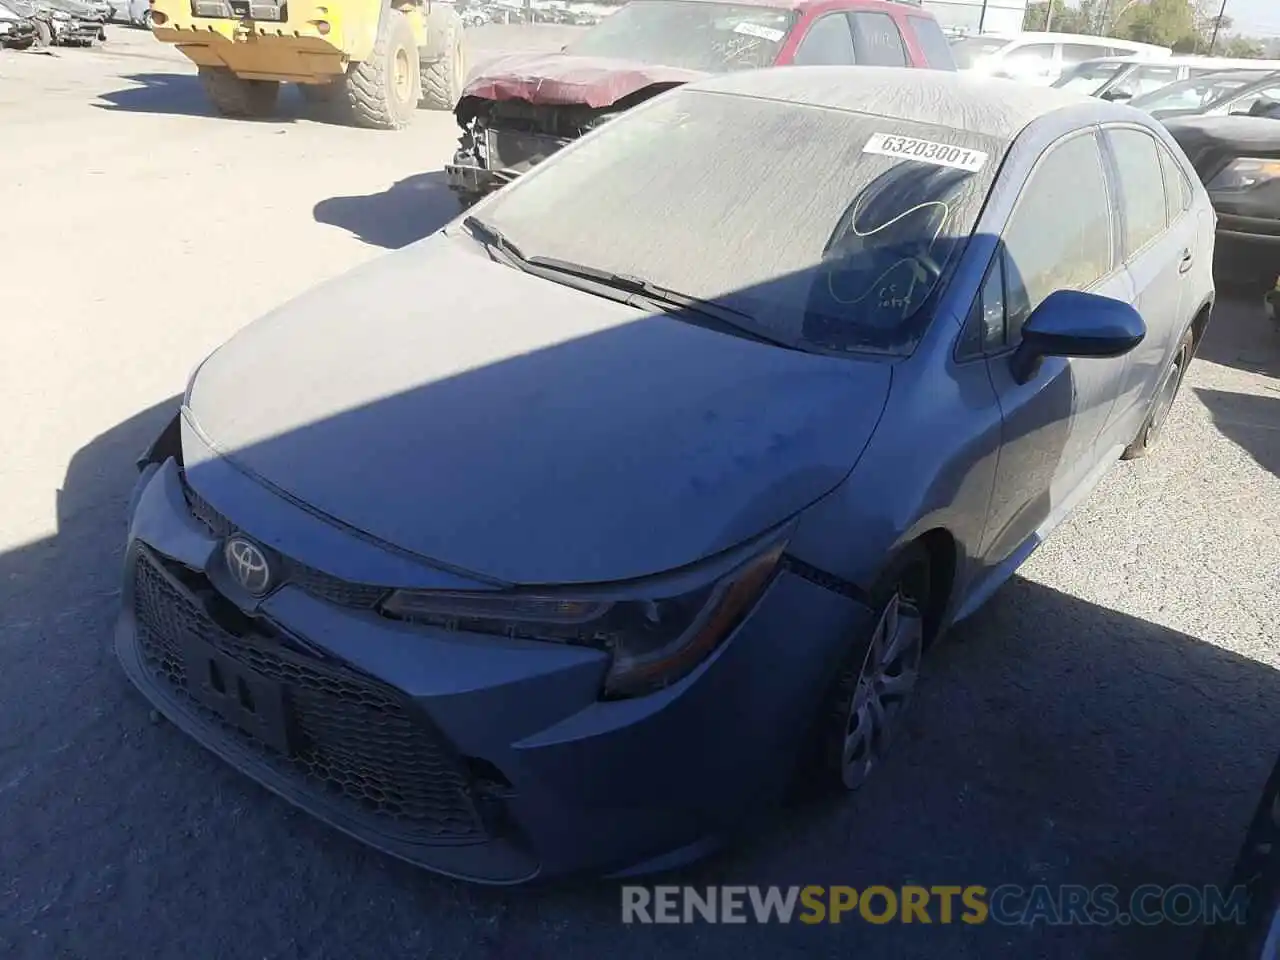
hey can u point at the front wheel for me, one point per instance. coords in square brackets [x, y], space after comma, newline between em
[874, 686]
[1166, 393]
[383, 91]
[44, 36]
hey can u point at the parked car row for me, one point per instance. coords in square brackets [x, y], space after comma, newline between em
[26, 24]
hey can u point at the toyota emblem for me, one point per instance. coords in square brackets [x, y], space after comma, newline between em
[248, 564]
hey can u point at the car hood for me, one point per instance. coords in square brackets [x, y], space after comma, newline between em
[520, 430]
[560, 79]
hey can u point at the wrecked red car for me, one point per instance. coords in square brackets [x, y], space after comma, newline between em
[524, 107]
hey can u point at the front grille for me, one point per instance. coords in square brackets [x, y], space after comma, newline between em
[351, 738]
[321, 585]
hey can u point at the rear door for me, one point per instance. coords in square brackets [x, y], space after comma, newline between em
[1059, 236]
[1158, 253]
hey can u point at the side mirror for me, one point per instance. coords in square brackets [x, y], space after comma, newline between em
[1114, 95]
[1073, 324]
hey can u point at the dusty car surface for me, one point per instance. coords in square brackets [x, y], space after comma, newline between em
[522, 108]
[658, 501]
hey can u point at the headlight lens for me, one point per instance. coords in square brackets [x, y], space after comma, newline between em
[653, 642]
[1246, 173]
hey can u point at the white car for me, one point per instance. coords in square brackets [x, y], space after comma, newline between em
[1041, 58]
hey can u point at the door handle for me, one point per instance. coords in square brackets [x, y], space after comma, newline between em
[1187, 261]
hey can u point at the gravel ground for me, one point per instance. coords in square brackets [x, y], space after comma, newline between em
[1108, 718]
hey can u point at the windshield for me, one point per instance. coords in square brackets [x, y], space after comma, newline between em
[1090, 77]
[1195, 93]
[969, 50]
[1245, 96]
[690, 34]
[810, 222]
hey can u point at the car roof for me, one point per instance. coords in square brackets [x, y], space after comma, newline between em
[1040, 36]
[1190, 60]
[881, 6]
[985, 105]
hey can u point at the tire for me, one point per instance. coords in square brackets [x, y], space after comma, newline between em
[863, 710]
[442, 81]
[383, 91]
[1162, 403]
[233, 97]
[44, 36]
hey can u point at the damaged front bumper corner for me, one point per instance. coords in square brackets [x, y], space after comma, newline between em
[489, 158]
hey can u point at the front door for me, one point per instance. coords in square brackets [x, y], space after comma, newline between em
[1060, 236]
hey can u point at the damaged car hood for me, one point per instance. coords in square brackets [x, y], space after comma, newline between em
[559, 79]
[521, 430]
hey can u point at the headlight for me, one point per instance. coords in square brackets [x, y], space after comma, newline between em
[1245, 174]
[653, 641]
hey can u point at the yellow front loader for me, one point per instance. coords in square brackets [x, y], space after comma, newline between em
[374, 60]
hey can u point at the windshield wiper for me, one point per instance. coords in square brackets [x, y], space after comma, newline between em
[496, 240]
[664, 296]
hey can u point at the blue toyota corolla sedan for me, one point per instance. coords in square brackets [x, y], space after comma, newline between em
[567, 537]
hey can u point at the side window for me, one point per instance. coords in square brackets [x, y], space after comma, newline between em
[1141, 191]
[1059, 237]
[876, 40]
[828, 43]
[933, 42]
[1028, 60]
[1177, 189]
[1073, 53]
[1146, 79]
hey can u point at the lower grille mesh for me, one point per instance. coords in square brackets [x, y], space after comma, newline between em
[354, 740]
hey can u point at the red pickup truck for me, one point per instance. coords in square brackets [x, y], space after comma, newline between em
[522, 108]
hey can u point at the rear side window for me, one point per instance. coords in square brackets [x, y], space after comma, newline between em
[937, 52]
[1073, 53]
[1059, 237]
[1177, 188]
[877, 41]
[1141, 191]
[828, 43]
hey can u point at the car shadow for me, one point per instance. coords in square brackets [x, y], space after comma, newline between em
[1250, 420]
[1241, 335]
[1053, 740]
[408, 210]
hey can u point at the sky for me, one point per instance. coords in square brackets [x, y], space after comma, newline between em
[1256, 17]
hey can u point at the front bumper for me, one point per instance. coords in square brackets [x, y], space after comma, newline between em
[487, 159]
[76, 32]
[483, 758]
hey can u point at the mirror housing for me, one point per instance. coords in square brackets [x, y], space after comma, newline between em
[1070, 323]
[1114, 95]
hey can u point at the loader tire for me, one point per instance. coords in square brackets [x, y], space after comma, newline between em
[232, 96]
[382, 92]
[443, 80]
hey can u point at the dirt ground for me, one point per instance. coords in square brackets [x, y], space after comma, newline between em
[1109, 718]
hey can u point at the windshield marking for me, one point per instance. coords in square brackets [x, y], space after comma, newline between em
[755, 30]
[888, 297]
[926, 151]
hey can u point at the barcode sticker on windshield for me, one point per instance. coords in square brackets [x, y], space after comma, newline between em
[926, 151]
[755, 30]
